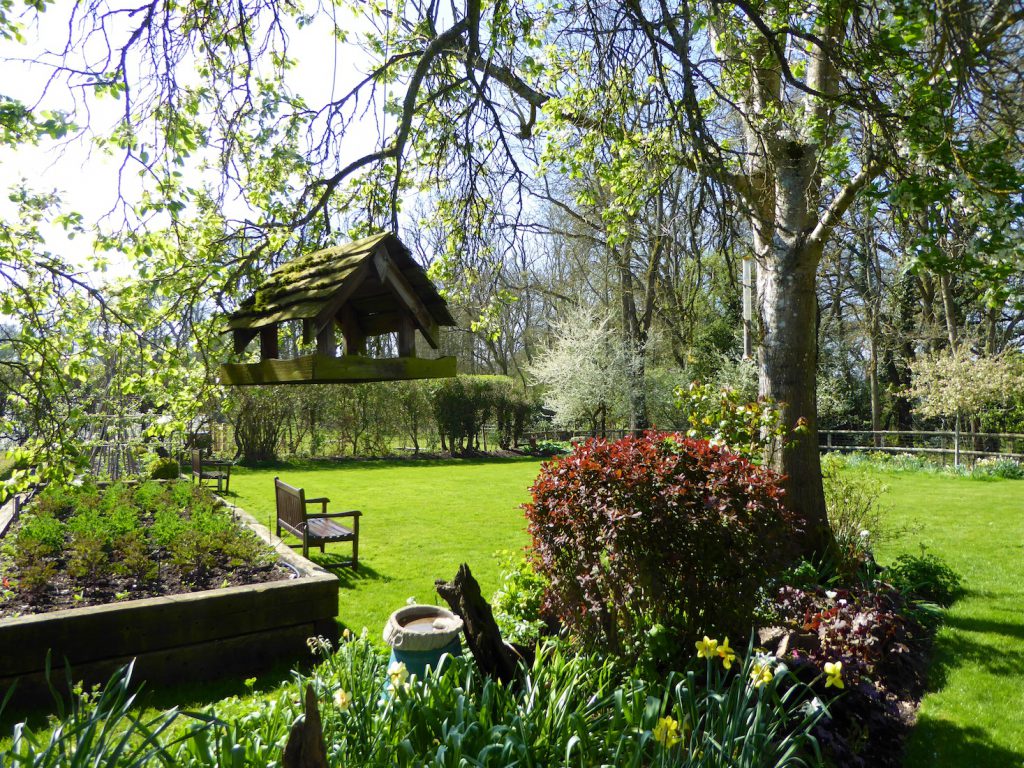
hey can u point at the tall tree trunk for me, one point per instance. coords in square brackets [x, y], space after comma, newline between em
[949, 310]
[788, 356]
[634, 346]
[788, 367]
[876, 395]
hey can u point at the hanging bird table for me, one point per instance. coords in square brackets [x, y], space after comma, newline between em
[366, 288]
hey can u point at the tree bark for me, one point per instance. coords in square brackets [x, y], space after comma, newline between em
[788, 367]
[788, 356]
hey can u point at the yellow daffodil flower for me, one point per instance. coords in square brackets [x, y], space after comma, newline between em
[706, 648]
[761, 674]
[343, 700]
[666, 732]
[834, 674]
[726, 654]
[397, 673]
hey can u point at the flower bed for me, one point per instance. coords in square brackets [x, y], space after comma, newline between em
[82, 546]
[198, 591]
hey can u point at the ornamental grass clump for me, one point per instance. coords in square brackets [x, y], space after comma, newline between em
[659, 531]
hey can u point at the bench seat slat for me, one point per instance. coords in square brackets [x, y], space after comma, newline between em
[328, 530]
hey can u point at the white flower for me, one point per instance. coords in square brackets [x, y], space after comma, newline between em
[865, 533]
[411, 601]
[397, 673]
[813, 706]
[831, 594]
[342, 700]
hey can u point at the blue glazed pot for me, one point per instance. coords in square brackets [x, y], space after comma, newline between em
[419, 635]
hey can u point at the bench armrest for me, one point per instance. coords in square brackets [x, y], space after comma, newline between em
[216, 463]
[350, 513]
[321, 500]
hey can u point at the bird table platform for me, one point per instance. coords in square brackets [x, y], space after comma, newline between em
[366, 288]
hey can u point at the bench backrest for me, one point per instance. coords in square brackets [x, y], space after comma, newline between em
[197, 462]
[291, 503]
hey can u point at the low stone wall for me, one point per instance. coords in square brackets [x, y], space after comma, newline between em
[176, 639]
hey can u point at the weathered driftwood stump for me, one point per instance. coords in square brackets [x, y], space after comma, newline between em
[306, 747]
[493, 656]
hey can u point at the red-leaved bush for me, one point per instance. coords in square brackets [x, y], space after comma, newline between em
[656, 530]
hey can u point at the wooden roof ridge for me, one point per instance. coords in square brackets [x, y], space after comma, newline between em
[305, 287]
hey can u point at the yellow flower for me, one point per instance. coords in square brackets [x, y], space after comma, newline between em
[397, 673]
[342, 700]
[666, 732]
[761, 673]
[834, 674]
[346, 634]
[726, 653]
[706, 648]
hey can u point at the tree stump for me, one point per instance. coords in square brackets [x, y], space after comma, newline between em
[493, 656]
[306, 747]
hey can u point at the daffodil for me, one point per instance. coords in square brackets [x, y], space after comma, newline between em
[726, 654]
[343, 700]
[761, 673]
[666, 732]
[397, 673]
[834, 674]
[706, 648]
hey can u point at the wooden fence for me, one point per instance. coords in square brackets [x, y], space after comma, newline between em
[959, 446]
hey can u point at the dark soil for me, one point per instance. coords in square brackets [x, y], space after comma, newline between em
[64, 592]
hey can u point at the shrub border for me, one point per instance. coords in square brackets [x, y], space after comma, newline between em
[175, 638]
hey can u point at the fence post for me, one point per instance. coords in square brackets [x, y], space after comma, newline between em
[828, 439]
[956, 442]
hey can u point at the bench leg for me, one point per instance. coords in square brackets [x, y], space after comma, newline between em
[305, 544]
[355, 544]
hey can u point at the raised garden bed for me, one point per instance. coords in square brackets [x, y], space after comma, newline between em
[213, 600]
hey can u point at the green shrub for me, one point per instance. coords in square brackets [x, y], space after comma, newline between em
[42, 529]
[925, 576]
[89, 556]
[518, 601]
[855, 516]
[150, 496]
[39, 539]
[167, 525]
[726, 417]
[133, 558]
[461, 407]
[163, 468]
[656, 530]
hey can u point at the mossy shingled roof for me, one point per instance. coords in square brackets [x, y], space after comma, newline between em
[300, 289]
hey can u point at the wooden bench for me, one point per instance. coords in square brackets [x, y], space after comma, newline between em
[316, 528]
[219, 471]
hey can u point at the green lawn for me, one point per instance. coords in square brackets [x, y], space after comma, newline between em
[421, 519]
[970, 717]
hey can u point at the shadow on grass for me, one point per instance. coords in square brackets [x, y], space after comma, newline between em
[337, 563]
[941, 744]
[958, 649]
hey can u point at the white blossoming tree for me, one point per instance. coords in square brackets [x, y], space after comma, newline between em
[584, 372]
